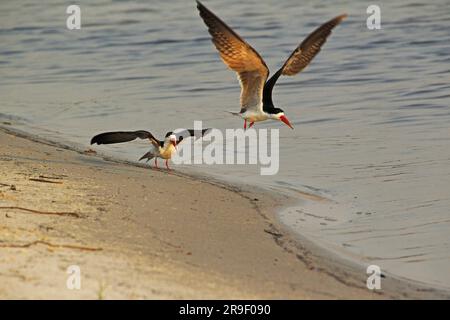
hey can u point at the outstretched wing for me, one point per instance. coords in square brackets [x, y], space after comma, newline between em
[302, 55]
[186, 133]
[239, 56]
[123, 136]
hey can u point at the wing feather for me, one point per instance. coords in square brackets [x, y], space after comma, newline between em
[302, 56]
[310, 47]
[239, 56]
[123, 136]
[186, 133]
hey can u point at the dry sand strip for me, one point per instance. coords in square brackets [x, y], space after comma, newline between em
[188, 238]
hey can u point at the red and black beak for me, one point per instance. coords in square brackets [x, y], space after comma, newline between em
[286, 121]
[174, 144]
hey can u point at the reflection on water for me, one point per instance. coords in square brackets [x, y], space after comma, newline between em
[371, 113]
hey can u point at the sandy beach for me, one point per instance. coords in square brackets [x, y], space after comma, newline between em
[141, 233]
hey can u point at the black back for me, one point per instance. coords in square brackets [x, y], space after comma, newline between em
[267, 91]
[268, 105]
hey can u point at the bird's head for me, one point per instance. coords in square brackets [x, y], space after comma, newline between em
[173, 140]
[278, 114]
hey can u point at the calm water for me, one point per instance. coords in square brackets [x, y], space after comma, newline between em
[371, 113]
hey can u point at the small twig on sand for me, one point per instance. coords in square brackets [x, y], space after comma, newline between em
[48, 177]
[44, 180]
[71, 214]
[274, 233]
[68, 246]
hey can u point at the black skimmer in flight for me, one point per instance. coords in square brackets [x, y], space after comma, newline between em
[160, 149]
[238, 55]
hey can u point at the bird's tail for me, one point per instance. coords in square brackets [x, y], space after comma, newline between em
[149, 156]
[234, 113]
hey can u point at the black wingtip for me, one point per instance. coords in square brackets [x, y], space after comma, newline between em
[200, 6]
[98, 139]
[94, 140]
[204, 131]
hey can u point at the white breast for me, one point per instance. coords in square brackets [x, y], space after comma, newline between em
[254, 115]
[167, 151]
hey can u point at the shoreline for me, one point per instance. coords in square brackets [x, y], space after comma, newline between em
[169, 243]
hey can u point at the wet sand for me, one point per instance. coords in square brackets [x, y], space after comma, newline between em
[143, 233]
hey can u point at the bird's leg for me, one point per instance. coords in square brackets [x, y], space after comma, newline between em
[251, 124]
[245, 124]
[156, 163]
[167, 164]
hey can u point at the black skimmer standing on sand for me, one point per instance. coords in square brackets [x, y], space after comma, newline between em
[160, 149]
[238, 55]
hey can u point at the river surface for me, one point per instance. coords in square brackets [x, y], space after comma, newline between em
[371, 145]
